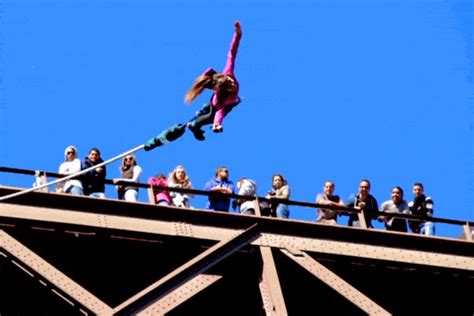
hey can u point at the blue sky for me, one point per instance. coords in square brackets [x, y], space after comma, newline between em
[339, 89]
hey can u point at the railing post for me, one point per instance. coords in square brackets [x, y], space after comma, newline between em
[151, 195]
[44, 180]
[361, 216]
[467, 231]
[256, 205]
[40, 180]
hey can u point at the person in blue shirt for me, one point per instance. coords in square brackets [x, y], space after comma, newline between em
[221, 184]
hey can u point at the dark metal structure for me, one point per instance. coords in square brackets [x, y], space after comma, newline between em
[75, 255]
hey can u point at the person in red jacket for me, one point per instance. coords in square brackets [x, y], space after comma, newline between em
[162, 197]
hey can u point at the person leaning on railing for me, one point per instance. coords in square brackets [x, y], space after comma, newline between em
[421, 205]
[364, 201]
[222, 185]
[396, 205]
[131, 173]
[94, 181]
[71, 165]
[178, 178]
[327, 216]
[280, 190]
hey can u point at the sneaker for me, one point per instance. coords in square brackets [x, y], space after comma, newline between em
[197, 132]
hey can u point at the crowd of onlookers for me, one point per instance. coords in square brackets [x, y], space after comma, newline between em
[92, 183]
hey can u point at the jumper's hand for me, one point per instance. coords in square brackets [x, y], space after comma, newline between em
[237, 27]
[217, 128]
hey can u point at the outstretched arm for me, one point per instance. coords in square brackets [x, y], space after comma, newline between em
[234, 46]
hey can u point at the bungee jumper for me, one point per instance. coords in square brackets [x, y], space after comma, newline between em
[223, 100]
[225, 96]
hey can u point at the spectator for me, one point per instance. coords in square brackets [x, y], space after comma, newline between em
[94, 180]
[421, 206]
[396, 205]
[363, 201]
[280, 191]
[71, 165]
[221, 184]
[38, 179]
[162, 197]
[328, 216]
[130, 172]
[246, 187]
[179, 178]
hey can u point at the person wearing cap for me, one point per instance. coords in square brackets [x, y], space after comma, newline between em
[71, 165]
[225, 96]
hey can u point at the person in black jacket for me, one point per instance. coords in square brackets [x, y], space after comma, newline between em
[93, 182]
[422, 206]
[363, 201]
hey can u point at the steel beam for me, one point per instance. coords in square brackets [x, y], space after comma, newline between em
[150, 295]
[170, 228]
[368, 251]
[270, 288]
[335, 282]
[181, 294]
[47, 274]
[467, 231]
[186, 229]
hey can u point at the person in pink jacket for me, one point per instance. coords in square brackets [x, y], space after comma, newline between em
[225, 96]
[162, 197]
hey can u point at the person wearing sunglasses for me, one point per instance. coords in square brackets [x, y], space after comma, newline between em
[71, 165]
[363, 201]
[221, 185]
[130, 173]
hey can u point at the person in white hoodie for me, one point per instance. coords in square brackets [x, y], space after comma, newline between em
[246, 187]
[71, 165]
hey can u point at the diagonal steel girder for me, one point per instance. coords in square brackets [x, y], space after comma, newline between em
[150, 295]
[180, 295]
[335, 282]
[48, 275]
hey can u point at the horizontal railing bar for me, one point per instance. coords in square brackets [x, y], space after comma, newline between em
[340, 208]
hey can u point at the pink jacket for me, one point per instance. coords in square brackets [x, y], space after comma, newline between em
[160, 195]
[228, 70]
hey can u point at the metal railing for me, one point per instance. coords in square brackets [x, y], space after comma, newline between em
[342, 210]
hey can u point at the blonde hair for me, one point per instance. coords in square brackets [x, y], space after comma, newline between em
[185, 183]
